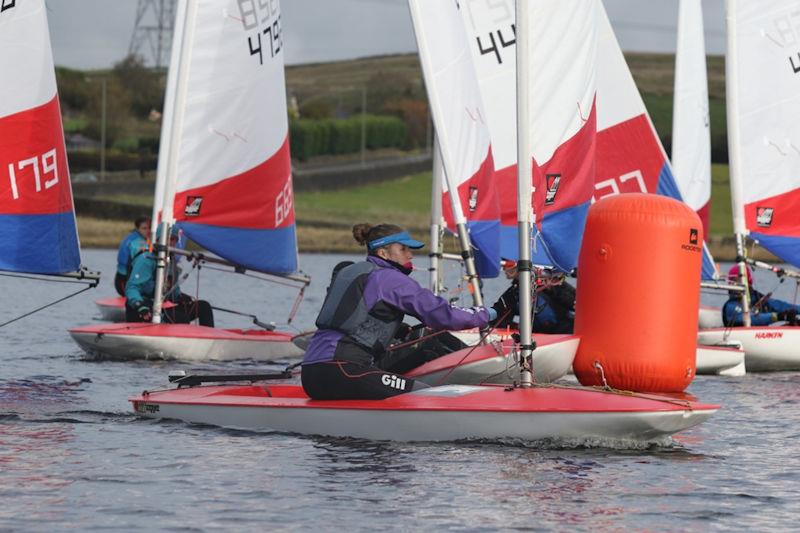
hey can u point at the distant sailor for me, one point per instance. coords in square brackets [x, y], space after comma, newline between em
[140, 291]
[555, 305]
[764, 310]
[134, 243]
[362, 313]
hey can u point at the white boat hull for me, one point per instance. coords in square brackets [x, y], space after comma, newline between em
[182, 342]
[709, 317]
[721, 360]
[111, 311]
[767, 348]
[437, 414]
[552, 359]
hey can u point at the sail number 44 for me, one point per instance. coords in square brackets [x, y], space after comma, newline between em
[41, 167]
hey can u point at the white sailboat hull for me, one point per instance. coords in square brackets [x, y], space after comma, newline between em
[767, 348]
[449, 413]
[110, 313]
[721, 360]
[552, 359]
[709, 317]
[182, 342]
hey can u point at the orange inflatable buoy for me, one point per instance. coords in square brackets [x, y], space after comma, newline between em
[638, 294]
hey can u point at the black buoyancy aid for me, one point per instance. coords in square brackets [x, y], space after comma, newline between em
[345, 310]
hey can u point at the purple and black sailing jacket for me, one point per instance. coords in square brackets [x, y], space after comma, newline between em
[365, 306]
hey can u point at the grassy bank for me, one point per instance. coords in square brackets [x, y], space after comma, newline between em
[324, 219]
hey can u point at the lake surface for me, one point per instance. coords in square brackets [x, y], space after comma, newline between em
[72, 454]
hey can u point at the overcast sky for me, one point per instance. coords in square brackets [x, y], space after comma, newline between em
[97, 33]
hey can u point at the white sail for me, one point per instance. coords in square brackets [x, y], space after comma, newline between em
[763, 76]
[461, 128]
[224, 170]
[629, 155]
[691, 133]
[38, 232]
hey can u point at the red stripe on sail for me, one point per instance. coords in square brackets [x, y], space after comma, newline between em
[566, 180]
[573, 160]
[259, 198]
[34, 176]
[628, 155]
[704, 213]
[478, 195]
[777, 215]
[506, 179]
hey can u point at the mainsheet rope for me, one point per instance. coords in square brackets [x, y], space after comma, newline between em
[92, 286]
[196, 263]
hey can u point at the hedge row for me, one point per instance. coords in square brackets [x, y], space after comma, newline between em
[343, 136]
[89, 160]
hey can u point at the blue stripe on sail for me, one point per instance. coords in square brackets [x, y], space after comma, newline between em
[562, 232]
[484, 235]
[787, 248]
[39, 244]
[267, 250]
[667, 186]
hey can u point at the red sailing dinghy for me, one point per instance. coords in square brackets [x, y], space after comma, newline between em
[224, 177]
[451, 412]
[763, 107]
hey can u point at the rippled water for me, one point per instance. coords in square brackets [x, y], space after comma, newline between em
[72, 455]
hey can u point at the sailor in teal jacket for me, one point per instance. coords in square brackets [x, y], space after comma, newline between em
[140, 291]
[131, 245]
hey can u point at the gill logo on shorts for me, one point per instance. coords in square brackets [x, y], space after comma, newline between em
[393, 381]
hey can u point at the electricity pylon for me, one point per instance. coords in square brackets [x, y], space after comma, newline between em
[152, 34]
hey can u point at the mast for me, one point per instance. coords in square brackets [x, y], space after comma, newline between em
[734, 152]
[173, 125]
[525, 215]
[436, 219]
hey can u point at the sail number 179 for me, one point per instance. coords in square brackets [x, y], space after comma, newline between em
[41, 167]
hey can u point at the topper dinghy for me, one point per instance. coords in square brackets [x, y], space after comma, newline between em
[224, 179]
[452, 412]
[446, 413]
[763, 110]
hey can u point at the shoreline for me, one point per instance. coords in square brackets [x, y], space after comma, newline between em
[324, 239]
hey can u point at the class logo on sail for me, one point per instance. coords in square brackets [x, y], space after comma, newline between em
[193, 204]
[552, 182]
[764, 216]
[473, 199]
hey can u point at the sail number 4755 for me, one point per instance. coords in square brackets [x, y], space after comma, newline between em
[41, 167]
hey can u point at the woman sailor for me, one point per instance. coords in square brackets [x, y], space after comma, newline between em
[362, 312]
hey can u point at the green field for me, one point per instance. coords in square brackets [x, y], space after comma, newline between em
[721, 220]
[324, 217]
[406, 201]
